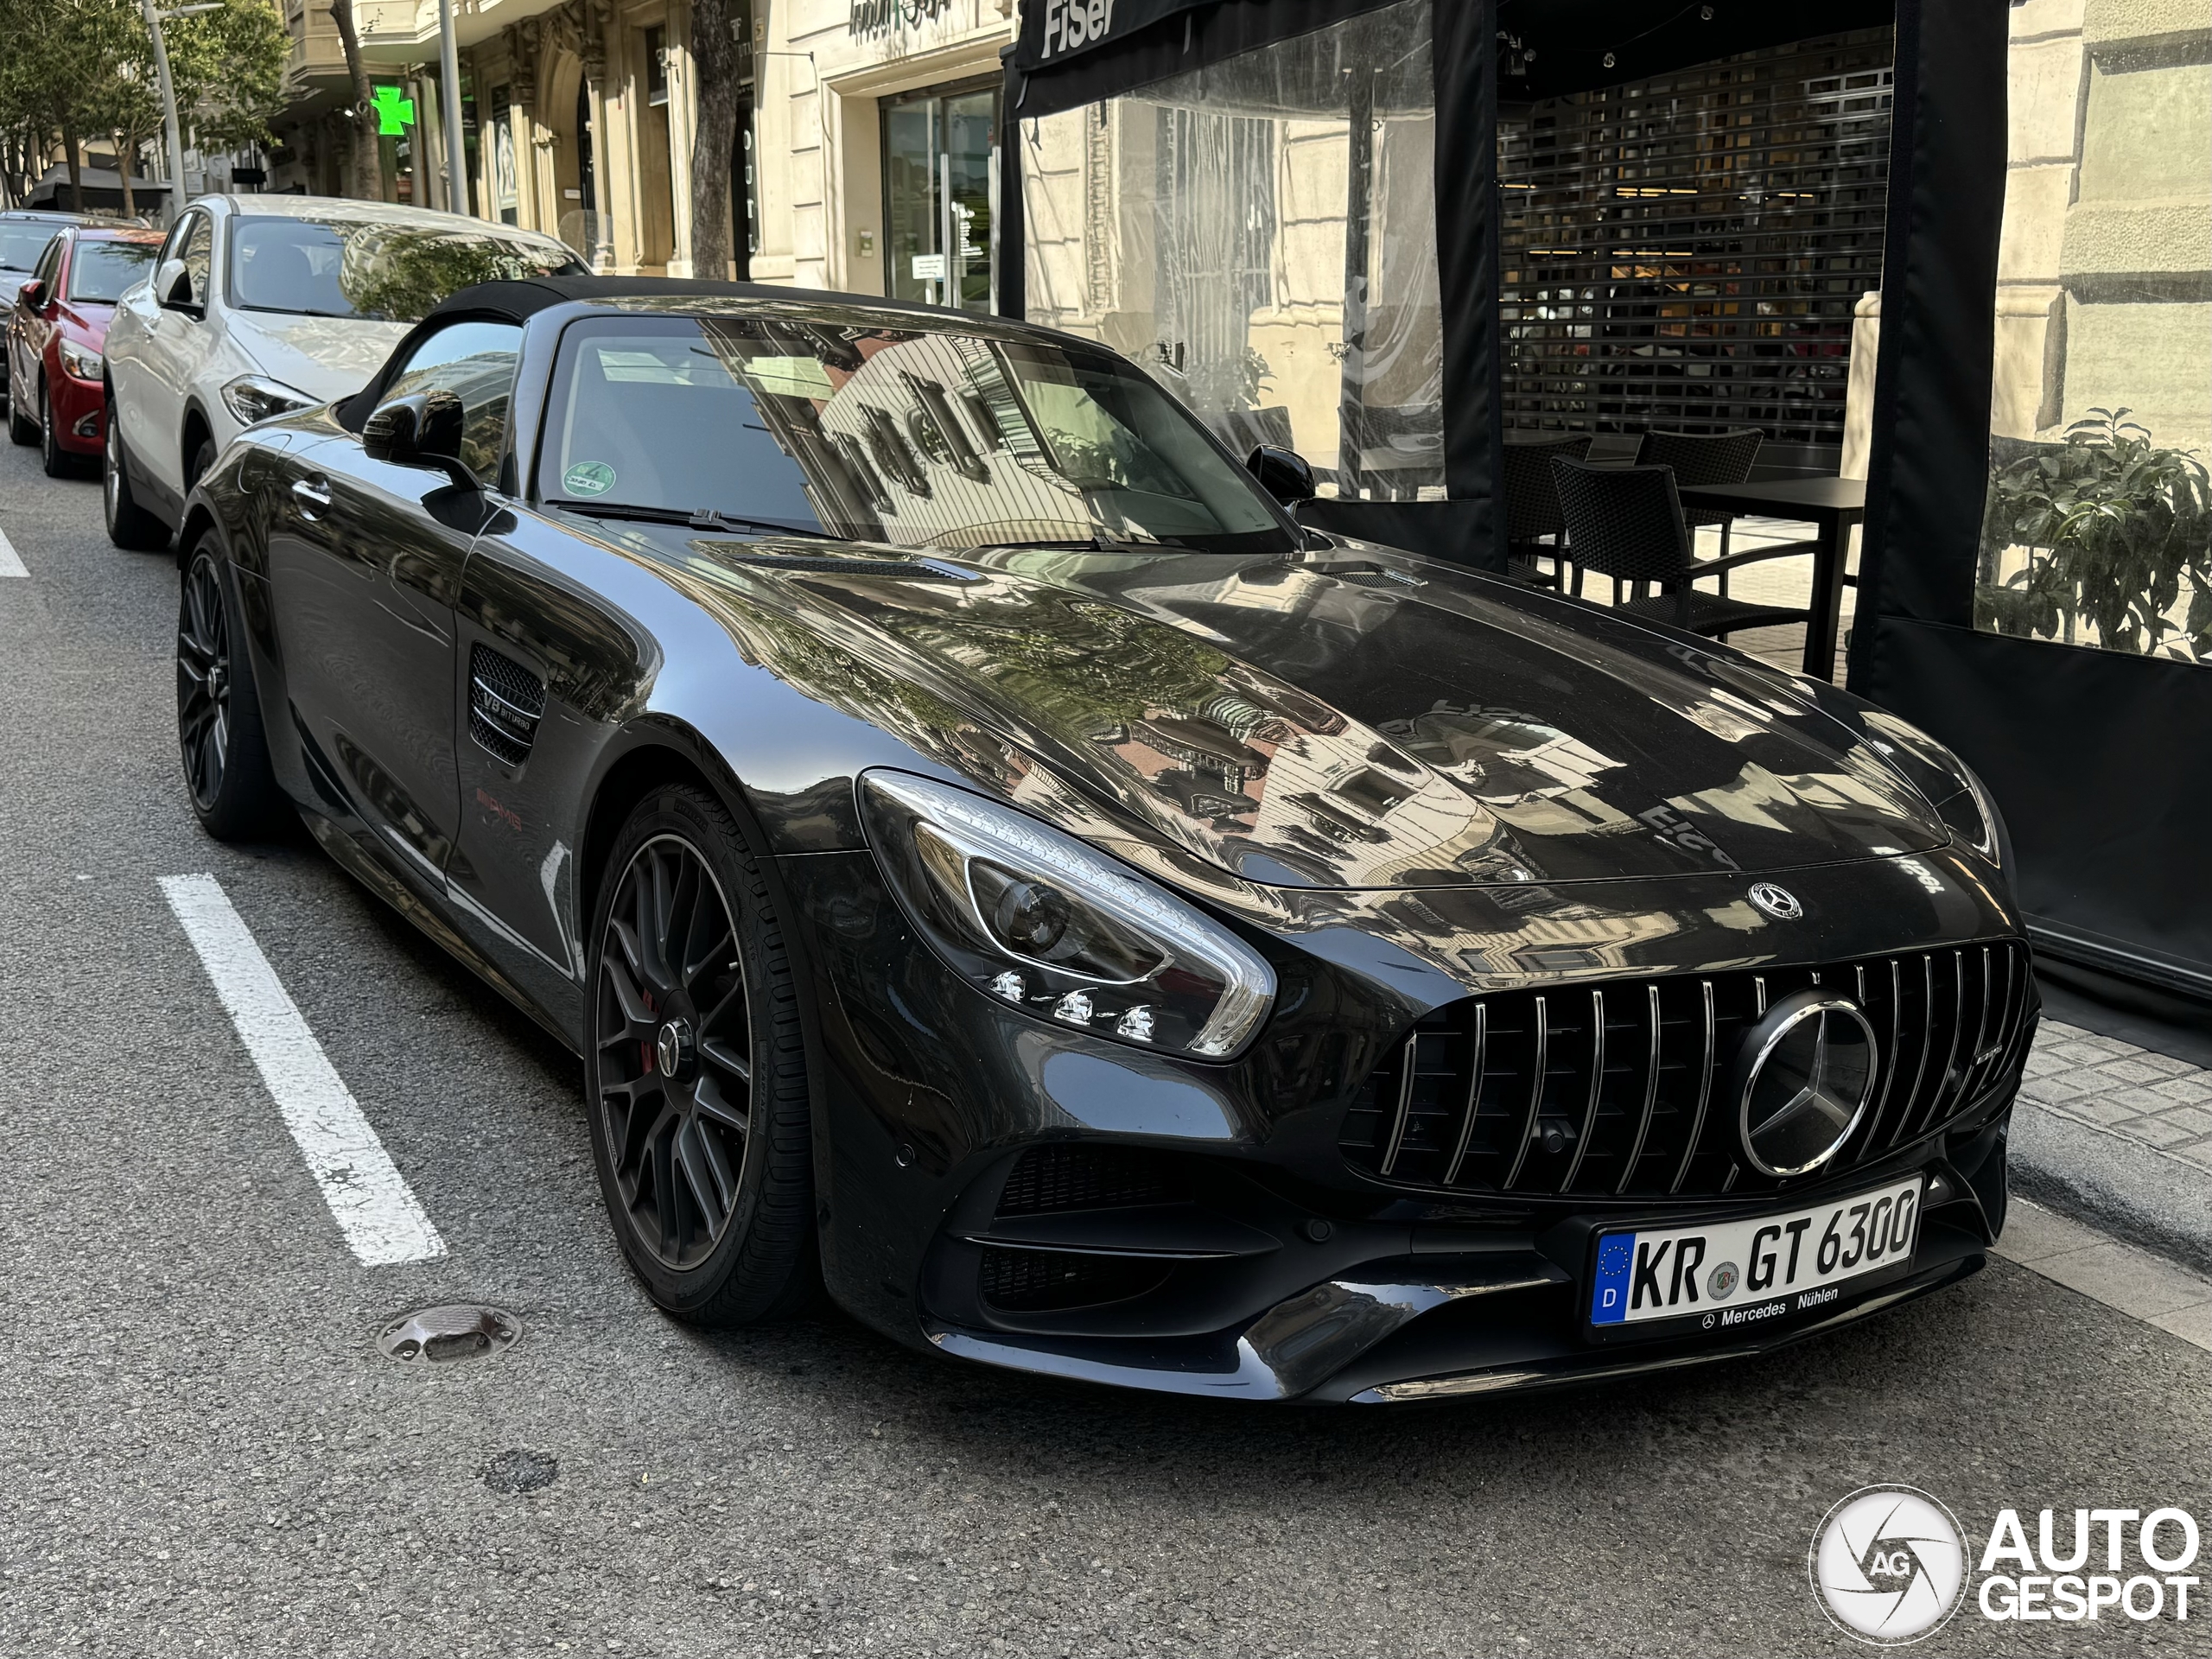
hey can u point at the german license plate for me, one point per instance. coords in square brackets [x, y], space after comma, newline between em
[1736, 1275]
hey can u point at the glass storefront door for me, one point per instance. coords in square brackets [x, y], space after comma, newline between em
[939, 174]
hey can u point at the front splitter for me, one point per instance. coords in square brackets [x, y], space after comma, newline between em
[1505, 1328]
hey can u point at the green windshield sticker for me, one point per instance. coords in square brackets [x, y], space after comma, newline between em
[588, 477]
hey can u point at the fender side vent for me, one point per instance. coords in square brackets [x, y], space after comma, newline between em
[505, 701]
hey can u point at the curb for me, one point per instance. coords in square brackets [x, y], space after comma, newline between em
[2132, 1192]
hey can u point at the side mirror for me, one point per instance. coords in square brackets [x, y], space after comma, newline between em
[31, 295]
[1282, 473]
[420, 430]
[173, 287]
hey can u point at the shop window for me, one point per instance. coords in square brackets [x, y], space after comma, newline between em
[1261, 233]
[1685, 252]
[940, 167]
[507, 193]
[2097, 529]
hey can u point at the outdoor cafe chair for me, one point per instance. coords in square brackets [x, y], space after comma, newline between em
[1532, 504]
[1626, 522]
[1698, 458]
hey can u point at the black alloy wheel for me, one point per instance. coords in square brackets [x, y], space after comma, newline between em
[675, 1048]
[203, 681]
[129, 526]
[696, 1070]
[217, 715]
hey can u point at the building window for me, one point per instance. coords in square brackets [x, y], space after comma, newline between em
[507, 195]
[656, 67]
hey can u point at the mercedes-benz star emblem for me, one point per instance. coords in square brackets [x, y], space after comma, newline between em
[1803, 1080]
[672, 1047]
[1777, 902]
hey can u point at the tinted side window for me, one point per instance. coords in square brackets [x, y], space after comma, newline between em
[475, 361]
[199, 256]
[49, 264]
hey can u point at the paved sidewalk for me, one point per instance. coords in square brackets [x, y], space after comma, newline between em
[2162, 1103]
[2120, 1138]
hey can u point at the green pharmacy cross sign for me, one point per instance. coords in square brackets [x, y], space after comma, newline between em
[395, 114]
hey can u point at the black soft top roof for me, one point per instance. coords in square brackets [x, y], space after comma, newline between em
[524, 298]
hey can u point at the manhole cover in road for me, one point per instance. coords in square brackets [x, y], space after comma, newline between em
[440, 1336]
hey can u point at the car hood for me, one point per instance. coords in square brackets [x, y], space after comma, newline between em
[326, 357]
[86, 321]
[1357, 718]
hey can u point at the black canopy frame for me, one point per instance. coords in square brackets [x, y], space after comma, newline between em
[2091, 754]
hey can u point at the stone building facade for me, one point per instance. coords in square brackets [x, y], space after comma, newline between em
[867, 140]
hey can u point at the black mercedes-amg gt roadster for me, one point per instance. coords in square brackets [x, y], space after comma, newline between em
[996, 865]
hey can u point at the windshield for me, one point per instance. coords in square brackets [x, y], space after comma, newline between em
[21, 241]
[99, 271]
[378, 272]
[919, 437]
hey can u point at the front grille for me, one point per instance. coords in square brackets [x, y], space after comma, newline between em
[1076, 1177]
[1623, 1088]
[1031, 1281]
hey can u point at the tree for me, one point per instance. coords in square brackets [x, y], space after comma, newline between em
[52, 62]
[717, 58]
[81, 67]
[367, 183]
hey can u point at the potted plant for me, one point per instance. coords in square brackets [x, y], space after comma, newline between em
[2118, 536]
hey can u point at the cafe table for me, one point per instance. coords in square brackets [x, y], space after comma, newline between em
[1833, 507]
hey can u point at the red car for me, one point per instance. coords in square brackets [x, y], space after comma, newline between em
[55, 334]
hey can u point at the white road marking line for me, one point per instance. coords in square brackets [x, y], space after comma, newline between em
[10, 565]
[368, 1198]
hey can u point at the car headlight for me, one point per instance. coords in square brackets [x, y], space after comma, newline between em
[1057, 929]
[81, 362]
[1948, 783]
[255, 397]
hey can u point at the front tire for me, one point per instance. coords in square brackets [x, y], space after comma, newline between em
[219, 733]
[57, 461]
[696, 1071]
[129, 526]
[22, 430]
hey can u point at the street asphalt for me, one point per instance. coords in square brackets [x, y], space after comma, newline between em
[202, 1451]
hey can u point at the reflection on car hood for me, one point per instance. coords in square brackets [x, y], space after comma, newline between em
[324, 357]
[1354, 719]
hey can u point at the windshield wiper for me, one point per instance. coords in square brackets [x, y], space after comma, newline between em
[703, 518]
[1099, 541]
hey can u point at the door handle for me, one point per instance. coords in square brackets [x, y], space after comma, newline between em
[312, 495]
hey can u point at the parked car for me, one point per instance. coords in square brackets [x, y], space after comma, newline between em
[261, 305]
[989, 855]
[56, 381]
[23, 237]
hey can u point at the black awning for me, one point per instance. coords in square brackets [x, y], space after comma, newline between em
[1548, 48]
[1125, 44]
[1070, 53]
[1053, 31]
